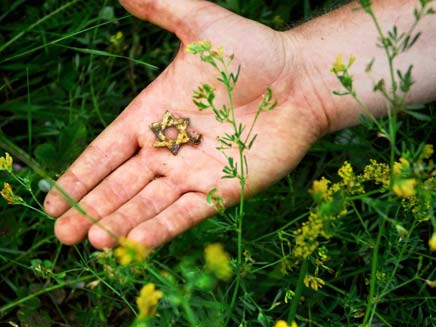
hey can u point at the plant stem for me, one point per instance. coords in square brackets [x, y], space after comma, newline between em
[241, 177]
[370, 308]
[391, 106]
[388, 54]
[298, 291]
[189, 313]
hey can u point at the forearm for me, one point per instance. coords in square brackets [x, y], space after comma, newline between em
[352, 32]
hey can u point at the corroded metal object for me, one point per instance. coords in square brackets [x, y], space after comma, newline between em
[183, 137]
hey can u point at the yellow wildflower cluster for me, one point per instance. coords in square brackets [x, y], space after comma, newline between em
[117, 42]
[9, 195]
[415, 183]
[117, 39]
[218, 261]
[313, 282]
[403, 186]
[282, 323]
[377, 172]
[199, 47]
[402, 166]
[147, 300]
[320, 189]
[322, 254]
[347, 174]
[323, 189]
[130, 251]
[349, 179]
[427, 152]
[306, 236]
[6, 162]
[341, 71]
[418, 206]
[332, 199]
[207, 52]
[327, 210]
[339, 67]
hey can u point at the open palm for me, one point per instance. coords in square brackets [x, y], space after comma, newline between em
[147, 193]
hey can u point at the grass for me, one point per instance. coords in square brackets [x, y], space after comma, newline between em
[65, 75]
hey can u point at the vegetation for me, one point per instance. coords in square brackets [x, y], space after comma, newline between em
[344, 240]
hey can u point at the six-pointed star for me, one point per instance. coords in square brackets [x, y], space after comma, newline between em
[183, 137]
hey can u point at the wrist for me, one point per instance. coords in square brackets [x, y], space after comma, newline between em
[308, 86]
[346, 31]
[302, 93]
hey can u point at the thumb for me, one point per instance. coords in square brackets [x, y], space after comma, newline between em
[185, 18]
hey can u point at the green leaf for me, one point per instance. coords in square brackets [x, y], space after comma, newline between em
[200, 105]
[107, 13]
[108, 54]
[418, 116]
[252, 141]
[210, 196]
[231, 162]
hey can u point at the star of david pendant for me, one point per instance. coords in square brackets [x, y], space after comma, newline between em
[183, 137]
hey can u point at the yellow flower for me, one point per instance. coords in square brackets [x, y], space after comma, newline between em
[338, 65]
[432, 242]
[405, 188]
[401, 166]
[218, 261]
[217, 53]
[427, 151]
[117, 39]
[199, 47]
[147, 300]
[349, 179]
[282, 323]
[130, 251]
[306, 236]
[118, 36]
[346, 173]
[314, 282]
[377, 172]
[320, 189]
[6, 162]
[9, 195]
[322, 253]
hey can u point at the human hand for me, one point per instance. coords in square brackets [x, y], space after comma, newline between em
[150, 195]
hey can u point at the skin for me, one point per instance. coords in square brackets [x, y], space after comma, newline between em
[149, 195]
